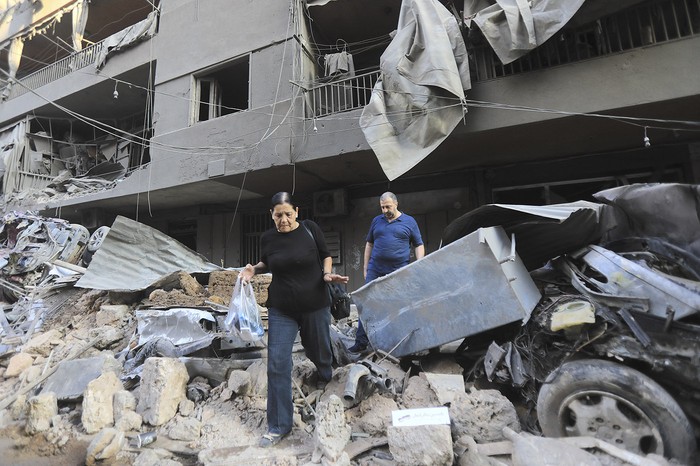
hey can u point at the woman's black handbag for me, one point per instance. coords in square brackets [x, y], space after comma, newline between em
[340, 299]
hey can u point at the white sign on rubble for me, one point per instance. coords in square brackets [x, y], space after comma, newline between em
[420, 417]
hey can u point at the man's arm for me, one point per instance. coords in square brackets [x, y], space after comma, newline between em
[368, 254]
[420, 251]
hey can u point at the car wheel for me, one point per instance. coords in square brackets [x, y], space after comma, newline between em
[617, 404]
[96, 239]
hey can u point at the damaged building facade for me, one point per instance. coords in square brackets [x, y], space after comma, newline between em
[189, 115]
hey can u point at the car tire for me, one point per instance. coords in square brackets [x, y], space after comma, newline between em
[615, 403]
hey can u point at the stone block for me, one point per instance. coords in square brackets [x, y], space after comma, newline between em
[40, 410]
[43, 343]
[184, 428]
[482, 415]
[104, 446]
[17, 364]
[186, 407]
[258, 378]
[239, 382]
[123, 402]
[111, 314]
[332, 432]
[376, 414]
[163, 387]
[421, 445]
[129, 420]
[98, 402]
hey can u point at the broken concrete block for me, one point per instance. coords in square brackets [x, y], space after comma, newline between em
[189, 285]
[111, 314]
[184, 428]
[150, 457]
[418, 394]
[98, 402]
[445, 386]
[239, 382]
[421, 445]
[186, 407]
[129, 420]
[258, 378]
[30, 374]
[344, 460]
[123, 402]
[482, 415]
[332, 432]
[106, 335]
[105, 445]
[19, 408]
[43, 343]
[40, 410]
[376, 414]
[18, 363]
[467, 451]
[163, 385]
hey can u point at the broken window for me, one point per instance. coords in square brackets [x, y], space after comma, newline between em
[222, 91]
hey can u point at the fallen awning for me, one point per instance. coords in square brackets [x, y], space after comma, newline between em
[419, 97]
[134, 256]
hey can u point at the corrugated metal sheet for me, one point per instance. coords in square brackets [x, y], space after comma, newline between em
[134, 256]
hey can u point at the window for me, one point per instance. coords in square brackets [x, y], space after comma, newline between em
[221, 91]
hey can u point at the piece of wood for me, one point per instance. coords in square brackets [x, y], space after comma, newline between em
[69, 266]
[360, 446]
[11, 399]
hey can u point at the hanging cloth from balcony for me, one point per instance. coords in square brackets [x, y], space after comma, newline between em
[514, 27]
[418, 99]
[127, 37]
[14, 57]
[79, 17]
[339, 64]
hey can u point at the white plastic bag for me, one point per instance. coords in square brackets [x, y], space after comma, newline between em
[243, 316]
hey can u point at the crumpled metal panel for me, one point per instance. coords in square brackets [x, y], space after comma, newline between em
[465, 288]
[628, 278]
[179, 325]
[134, 256]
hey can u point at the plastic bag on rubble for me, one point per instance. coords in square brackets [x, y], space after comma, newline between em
[243, 316]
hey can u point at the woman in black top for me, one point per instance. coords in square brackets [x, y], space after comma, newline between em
[297, 301]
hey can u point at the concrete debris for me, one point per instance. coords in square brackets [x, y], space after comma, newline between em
[186, 407]
[150, 457]
[40, 412]
[98, 402]
[198, 389]
[239, 382]
[105, 445]
[482, 415]
[376, 415]
[124, 401]
[418, 393]
[258, 378]
[435, 445]
[72, 377]
[111, 314]
[43, 343]
[163, 384]
[18, 363]
[128, 421]
[332, 432]
[184, 428]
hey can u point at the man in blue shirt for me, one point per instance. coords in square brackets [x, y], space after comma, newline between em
[388, 248]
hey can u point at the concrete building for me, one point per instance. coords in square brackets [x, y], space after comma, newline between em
[189, 115]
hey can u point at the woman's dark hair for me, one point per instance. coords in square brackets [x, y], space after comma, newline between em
[281, 198]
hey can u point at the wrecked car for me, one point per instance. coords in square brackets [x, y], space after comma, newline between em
[591, 310]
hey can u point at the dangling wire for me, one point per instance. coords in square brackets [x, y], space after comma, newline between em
[647, 141]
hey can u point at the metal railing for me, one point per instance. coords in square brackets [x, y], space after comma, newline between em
[647, 24]
[55, 71]
[342, 95]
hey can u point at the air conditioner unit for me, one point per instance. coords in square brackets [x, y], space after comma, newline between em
[330, 203]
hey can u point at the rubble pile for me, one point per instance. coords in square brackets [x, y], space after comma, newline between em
[148, 377]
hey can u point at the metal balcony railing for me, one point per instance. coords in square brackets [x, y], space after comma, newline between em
[55, 71]
[647, 24]
[342, 95]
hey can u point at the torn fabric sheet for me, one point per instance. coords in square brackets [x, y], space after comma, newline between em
[79, 20]
[514, 27]
[30, 17]
[127, 37]
[417, 101]
[135, 256]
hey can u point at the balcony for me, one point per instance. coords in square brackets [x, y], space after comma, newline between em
[648, 24]
[55, 71]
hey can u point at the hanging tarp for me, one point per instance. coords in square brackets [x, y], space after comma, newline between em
[79, 21]
[127, 37]
[134, 256]
[418, 99]
[29, 17]
[514, 27]
[12, 142]
[14, 56]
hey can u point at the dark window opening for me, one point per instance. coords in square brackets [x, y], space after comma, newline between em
[223, 91]
[185, 232]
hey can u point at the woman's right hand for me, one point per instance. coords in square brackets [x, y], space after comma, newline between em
[246, 274]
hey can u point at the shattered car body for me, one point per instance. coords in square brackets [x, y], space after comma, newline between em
[616, 331]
